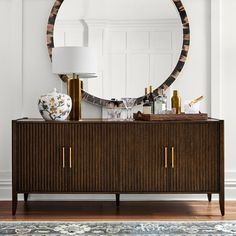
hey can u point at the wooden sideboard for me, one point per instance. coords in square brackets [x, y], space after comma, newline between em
[118, 157]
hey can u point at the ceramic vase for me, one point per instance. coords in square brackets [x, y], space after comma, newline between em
[55, 106]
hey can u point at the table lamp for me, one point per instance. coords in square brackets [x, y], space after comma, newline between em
[80, 62]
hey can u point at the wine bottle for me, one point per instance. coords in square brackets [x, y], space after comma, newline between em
[147, 108]
[152, 99]
[146, 95]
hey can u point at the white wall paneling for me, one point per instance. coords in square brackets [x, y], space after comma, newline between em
[228, 81]
[11, 74]
[128, 51]
[26, 74]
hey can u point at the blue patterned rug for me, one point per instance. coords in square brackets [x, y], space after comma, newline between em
[118, 228]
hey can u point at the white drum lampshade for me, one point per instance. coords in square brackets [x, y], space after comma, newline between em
[81, 61]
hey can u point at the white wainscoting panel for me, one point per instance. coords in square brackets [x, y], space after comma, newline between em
[137, 41]
[128, 51]
[163, 41]
[138, 66]
[11, 74]
[116, 42]
[165, 64]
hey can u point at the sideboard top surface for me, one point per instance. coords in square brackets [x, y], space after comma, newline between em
[38, 120]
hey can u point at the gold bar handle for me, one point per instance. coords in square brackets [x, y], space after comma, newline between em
[70, 157]
[63, 158]
[166, 157]
[173, 157]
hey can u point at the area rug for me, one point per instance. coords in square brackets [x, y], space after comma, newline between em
[117, 228]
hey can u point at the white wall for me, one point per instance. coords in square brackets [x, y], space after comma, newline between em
[228, 84]
[117, 10]
[26, 73]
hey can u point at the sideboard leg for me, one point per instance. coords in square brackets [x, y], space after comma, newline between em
[222, 203]
[117, 200]
[14, 203]
[222, 170]
[209, 195]
[26, 195]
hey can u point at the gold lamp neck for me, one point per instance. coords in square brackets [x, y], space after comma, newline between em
[75, 76]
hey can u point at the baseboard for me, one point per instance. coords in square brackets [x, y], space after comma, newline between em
[230, 193]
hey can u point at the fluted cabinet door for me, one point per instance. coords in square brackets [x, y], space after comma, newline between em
[194, 149]
[94, 164]
[142, 157]
[40, 158]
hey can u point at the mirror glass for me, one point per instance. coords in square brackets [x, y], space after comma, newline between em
[138, 42]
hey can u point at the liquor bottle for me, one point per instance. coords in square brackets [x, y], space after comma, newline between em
[147, 108]
[164, 100]
[158, 104]
[176, 102]
[152, 99]
[146, 95]
[161, 103]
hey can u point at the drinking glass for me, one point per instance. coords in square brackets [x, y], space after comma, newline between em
[129, 104]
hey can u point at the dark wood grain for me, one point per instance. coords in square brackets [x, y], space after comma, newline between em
[26, 195]
[222, 168]
[141, 154]
[117, 157]
[196, 165]
[169, 117]
[209, 196]
[14, 166]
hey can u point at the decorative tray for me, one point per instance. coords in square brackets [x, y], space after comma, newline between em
[150, 117]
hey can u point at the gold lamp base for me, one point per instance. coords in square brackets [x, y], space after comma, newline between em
[74, 89]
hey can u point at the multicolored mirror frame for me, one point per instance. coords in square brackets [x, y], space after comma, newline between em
[174, 75]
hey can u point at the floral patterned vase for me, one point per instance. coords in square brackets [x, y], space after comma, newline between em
[55, 106]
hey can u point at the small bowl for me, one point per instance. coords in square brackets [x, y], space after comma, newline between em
[193, 109]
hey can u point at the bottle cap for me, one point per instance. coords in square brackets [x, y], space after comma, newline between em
[150, 88]
[175, 92]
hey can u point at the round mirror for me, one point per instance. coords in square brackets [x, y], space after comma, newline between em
[138, 43]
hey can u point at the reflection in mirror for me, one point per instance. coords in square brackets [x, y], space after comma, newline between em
[138, 42]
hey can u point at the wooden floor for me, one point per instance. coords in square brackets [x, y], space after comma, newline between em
[130, 211]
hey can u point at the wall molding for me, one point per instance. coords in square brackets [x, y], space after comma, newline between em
[161, 24]
[5, 189]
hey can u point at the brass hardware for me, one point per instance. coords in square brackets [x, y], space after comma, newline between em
[166, 157]
[70, 158]
[74, 90]
[173, 157]
[63, 157]
[196, 100]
